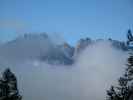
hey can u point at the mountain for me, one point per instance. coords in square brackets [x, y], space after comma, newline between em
[83, 43]
[119, 44]
[41, 47]
[36, 46]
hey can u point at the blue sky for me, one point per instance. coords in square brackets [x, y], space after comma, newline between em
[72, 19]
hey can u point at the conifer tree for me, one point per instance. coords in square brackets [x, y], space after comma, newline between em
[124, 90]
[8, 86]
[129, 37]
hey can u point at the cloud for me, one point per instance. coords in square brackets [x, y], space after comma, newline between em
[94, 70]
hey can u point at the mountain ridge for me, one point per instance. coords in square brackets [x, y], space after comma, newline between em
[40, 46]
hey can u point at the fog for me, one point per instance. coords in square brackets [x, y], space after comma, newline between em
[95, 69]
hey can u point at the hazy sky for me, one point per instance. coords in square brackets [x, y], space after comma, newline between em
[72, 19]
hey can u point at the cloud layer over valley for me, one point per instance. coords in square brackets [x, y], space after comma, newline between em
[94, 70]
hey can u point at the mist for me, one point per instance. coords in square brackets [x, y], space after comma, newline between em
[95, 69]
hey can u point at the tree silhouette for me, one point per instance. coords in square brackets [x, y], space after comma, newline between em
[129, 37]
[124, 90]
[8, 86]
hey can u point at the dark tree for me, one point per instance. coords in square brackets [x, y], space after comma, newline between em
[8, 86]
[124, 90]
[129, 37]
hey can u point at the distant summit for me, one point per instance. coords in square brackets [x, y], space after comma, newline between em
[82, 44]
[85, 42]
[37, 47]
[40, 47]
[35, 35]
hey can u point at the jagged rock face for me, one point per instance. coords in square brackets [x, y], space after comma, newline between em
[36, 46]
[58, 56]
[27, 47]
[82, 44]
[119, 44]
[67, 49]
[41, 47]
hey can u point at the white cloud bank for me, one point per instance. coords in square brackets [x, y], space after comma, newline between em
[95, 69]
